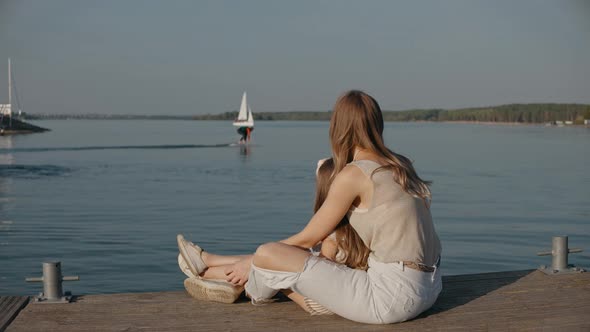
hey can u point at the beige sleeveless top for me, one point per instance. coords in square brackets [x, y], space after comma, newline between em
[396, 226]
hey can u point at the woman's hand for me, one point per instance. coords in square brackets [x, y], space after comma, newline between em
[238, 273]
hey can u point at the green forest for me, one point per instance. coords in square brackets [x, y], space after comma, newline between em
[512, 113]
[515, 113]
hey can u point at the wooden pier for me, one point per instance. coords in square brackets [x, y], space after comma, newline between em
[504, 301]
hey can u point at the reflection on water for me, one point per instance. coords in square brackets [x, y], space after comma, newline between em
[6, 144]
[245, 150]
[5, 182]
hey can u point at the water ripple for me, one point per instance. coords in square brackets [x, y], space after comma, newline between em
[32, 171]
[117, 147]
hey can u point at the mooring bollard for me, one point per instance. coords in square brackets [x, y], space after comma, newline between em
[52, 289]
[559, 263]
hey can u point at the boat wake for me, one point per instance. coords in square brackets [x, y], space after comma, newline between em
[117, 147]
[32, 171]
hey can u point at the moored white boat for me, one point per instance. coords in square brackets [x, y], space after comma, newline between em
[9, 123]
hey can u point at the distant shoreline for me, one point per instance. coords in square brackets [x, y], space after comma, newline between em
[495, 123]
[512, 114]
[486, 123]
[490, 123]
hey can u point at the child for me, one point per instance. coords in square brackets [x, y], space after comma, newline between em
[343, 245]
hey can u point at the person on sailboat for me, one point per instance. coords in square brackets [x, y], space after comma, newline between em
[244, 121]
[245, 133]
[387, 204]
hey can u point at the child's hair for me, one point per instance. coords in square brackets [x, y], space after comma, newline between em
[348, 241]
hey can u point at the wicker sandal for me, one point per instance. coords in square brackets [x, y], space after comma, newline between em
[191, 254]
[184, 267]
[212, 290]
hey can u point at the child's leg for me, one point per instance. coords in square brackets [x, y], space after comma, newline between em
[297, 298]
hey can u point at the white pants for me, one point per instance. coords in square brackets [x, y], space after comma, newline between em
[385, 293]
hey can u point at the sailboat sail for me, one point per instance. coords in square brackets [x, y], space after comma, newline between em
[243, 114]
[245, 118]
[250, 117]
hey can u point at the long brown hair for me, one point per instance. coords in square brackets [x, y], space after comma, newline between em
[347, 239]
[357, 121]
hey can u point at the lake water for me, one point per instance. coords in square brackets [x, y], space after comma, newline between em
[110, 213]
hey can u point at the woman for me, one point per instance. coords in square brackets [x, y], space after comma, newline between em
[388, 206]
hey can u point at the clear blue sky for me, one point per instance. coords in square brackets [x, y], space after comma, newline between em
[193, 57]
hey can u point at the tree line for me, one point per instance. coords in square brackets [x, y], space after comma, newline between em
[514, 113]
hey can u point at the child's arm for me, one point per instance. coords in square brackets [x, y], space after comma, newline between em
[329, 247]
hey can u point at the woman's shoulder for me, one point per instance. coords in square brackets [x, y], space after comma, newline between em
[349, 175]
[367, 166]
[351, 178]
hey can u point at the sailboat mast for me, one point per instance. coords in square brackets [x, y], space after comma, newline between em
[9, 85]
[9, 95]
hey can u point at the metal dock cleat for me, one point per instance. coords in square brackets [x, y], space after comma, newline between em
[52, 289]
[559, 264]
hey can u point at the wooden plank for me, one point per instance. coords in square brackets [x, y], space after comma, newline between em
[10, 306]
[487, 276]
[516, 300]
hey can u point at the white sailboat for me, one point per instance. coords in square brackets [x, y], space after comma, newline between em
[245, 118]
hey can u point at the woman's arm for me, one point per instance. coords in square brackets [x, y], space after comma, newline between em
[345, 188]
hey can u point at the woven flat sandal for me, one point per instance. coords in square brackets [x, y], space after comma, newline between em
[184, 267]
[315, 308]
[191, 254]
[212, 290]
